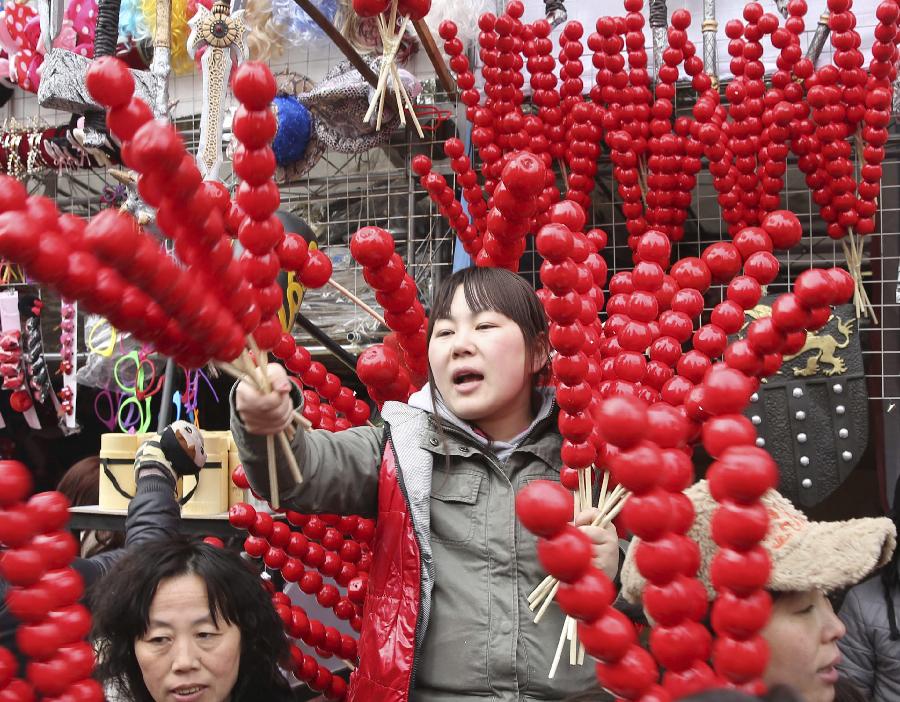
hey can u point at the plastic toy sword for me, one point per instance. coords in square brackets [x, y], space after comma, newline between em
[222, 32]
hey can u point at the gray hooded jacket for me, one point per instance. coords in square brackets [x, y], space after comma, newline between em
[476, 638]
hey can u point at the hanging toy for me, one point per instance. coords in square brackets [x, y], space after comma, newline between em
[223, 35]
[33, 358]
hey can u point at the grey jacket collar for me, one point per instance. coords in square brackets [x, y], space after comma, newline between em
[425, 400]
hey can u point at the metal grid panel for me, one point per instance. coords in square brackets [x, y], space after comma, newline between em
[344, 192]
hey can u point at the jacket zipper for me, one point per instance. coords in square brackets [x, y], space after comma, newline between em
[402, 485]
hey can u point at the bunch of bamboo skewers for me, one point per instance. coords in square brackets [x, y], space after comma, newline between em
[609, 504]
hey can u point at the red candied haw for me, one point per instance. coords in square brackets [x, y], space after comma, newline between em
[293, 252]
[109, 82]
[692, 272]
[723, 260]
[739, 526]
[788, 314]
[254, 128]
[843, 285]
[631, 675]
[763, 266]
[156, 146]
[655, 247]
[689, 301]
[125, 120]
[421, 165]
[742, 572]
[524, 175]
[317, 271]
[372, 246]
[726, 391]
[745, 291]
[637, 468]
[752, 239]
[554, 242]
[621, 421]
[567, 555]
[784, 228]
[740, 617]
[813, 288]
[609, 637]
[370, 8]
[588, 598]
[15, 482]
[725, 431]
[569, 213]
[728, 316]
[743, 473]
[254, 85]
[414, 9]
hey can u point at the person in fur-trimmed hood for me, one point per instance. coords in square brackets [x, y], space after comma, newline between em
[809, 561]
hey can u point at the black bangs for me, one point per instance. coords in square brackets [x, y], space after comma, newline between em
[497, 290]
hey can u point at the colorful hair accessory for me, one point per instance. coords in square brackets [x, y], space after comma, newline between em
[181, 62]
[132, 22]
[261, 45]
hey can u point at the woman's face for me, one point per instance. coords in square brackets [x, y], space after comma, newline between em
[480, 366]
[185, 656]
[802, 636]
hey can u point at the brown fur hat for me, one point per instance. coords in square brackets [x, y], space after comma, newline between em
[805, 555]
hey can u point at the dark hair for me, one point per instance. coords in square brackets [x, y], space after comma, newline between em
[890, 578]
[81, 485]
[846, 691]
[499, 290]
[121, 608]
[779, 693]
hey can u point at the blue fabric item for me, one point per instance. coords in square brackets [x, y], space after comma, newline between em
[461, 259]
[294, 128]
[294, 25]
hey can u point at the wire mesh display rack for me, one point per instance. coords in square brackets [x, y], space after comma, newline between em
[346, 191]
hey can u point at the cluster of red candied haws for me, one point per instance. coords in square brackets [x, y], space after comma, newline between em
[442, 194]
[573, 274]
[379, 367]
[307, 549]
[261, 233]
[169, 180]
[747, 144]
[147, 295]
[414, 9]
[43, 594]
[586, 593]
[511, 216]
[324, 385]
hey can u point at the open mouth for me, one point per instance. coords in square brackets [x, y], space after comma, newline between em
[188, 692]
[465, 377]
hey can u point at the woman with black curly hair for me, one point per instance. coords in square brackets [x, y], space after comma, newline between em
[183, 621]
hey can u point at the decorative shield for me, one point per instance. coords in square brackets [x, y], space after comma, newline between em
[812, 415]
